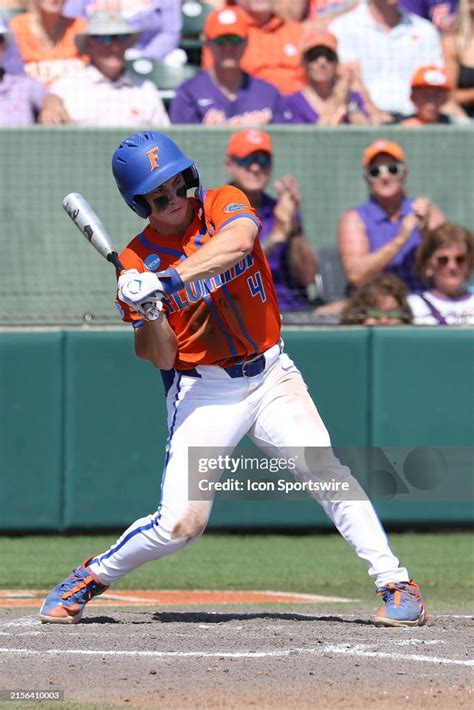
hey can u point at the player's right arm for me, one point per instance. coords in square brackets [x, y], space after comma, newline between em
[156, 342]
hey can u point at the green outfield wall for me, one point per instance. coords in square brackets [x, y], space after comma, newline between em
[49, 275]
[83, 430]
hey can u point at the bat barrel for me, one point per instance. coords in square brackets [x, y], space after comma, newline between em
[88, 223]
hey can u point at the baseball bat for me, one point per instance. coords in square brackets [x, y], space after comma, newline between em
[90, 226]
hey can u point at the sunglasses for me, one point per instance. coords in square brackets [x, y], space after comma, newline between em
[234, 40]
[377, 314]
[315, 52]
[263, 160]
[108, 39]
[392, 169]
[459, 260]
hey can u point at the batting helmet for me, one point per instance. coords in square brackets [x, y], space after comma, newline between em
[145, 161]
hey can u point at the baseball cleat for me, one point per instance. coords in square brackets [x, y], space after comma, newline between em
[66, 602]
[403, 605]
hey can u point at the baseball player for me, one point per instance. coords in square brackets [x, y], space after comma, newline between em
[198, 291]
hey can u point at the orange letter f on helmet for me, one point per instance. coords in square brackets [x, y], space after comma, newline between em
[153, 157]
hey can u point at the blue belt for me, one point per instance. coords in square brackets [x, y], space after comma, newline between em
[251, 368]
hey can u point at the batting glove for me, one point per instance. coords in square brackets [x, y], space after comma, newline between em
[142, 292]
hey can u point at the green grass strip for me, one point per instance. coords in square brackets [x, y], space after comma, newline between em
[314, 564]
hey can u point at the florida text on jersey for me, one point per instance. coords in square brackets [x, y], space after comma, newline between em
[222, 318]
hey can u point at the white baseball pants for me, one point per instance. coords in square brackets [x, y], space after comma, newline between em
[276, 411]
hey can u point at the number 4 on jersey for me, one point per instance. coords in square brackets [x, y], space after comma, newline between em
[256, 286]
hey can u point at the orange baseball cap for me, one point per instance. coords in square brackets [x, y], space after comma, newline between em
[228, 21]
[432, 76]
[382, 146]
[247, 142]
[314, 38]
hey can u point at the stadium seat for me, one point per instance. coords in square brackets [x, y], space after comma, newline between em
[333, 281]
[166, 77]
[194, 16]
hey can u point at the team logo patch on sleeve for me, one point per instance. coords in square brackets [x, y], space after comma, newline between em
[152, 262]
[235, 207]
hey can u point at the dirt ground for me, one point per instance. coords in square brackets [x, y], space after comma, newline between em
[203, 658]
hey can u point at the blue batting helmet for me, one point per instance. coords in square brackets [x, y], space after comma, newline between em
[145, 161]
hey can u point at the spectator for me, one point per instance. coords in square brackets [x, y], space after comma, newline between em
[161, 18]
[24, 100]
[442, 13]
[380, 301]
[225, 94]
[317, 13]
[291, 258]
[104, 93]
[445, 261]
[459, 54]
[12, 61]
[429, 92]
[387, 45]
[272, 52]
[383, 233]
[327, 98]
[46, 41]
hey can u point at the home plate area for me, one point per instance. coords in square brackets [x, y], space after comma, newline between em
[158, 652]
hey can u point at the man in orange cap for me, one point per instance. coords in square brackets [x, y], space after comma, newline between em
[272, 51]
[225, 94]
[291, 258]
[383, 233]
[429, 91]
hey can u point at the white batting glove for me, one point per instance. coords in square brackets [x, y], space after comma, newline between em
[142, 292]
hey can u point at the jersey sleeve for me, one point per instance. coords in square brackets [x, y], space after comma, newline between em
[227, 204]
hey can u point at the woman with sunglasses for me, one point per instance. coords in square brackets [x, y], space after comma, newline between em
[225, 94]
[383, 234]
[327, 99]
[445, 262]
[103, 93]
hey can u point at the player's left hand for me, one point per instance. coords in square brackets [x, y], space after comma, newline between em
[140, 290]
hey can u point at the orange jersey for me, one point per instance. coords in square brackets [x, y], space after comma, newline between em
[223, 318]
[47, 65]
[272, 54]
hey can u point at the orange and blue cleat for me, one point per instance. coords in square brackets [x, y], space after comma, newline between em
[66, 602]
[403, 605]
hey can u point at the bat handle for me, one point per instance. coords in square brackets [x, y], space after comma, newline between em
[152, 313]
[113, 257]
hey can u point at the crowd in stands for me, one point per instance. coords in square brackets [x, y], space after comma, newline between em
[261, 62]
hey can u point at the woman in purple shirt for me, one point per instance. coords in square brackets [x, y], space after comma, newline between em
[384, 233]
[225, 95]
[327, 99]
